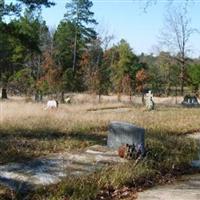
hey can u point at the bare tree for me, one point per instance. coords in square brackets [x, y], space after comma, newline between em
[149, 3]
[176, 37]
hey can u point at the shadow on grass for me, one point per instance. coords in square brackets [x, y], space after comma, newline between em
[168, 154]
[23, 145]
[20, 145]
[52, 135]
[16, 185]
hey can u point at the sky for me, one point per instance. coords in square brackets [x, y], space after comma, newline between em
[127, 19]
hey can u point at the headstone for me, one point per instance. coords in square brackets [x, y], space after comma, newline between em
[68, 100]
[121, 133]
[190, 101]
[149, 101]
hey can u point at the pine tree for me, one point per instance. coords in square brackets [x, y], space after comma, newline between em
[78, 13]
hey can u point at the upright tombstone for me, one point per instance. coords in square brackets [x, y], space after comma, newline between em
[67, 100]
[149, 101]
[190, 101]
[121, 133]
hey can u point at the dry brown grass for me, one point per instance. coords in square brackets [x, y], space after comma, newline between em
[32, 116]
[28, 131]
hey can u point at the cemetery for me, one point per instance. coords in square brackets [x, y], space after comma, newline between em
[138, 142]
[99, 100]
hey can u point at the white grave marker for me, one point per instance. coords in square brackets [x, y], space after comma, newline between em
[149, 101]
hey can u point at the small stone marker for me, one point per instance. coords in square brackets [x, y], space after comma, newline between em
[121, 133]
[149, 101]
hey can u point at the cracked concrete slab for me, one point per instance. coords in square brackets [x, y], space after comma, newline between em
[188, 188]
[51, 169]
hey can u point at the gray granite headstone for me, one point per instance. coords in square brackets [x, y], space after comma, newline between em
[121, 133]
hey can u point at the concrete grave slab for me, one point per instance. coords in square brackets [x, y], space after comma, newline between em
[188, 188]
[52, 169]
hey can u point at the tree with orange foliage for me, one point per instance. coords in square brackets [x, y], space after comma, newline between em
[126, 85]
[50, 81]
[91, 65]
[141, 80]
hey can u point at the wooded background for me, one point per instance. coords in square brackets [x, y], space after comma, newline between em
[36, 60]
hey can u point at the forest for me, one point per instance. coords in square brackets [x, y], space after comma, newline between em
[38, 60]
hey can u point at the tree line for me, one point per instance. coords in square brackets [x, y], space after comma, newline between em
[36, 60]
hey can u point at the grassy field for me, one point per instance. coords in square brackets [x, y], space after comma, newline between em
[28, 131]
